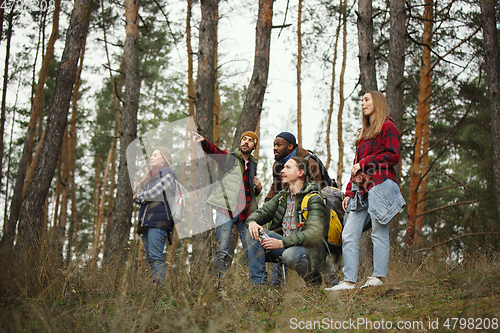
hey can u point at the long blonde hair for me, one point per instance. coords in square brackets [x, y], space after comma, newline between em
[381, 109]
[167, 157]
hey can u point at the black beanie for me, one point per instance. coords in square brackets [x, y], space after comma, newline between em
[288, 137]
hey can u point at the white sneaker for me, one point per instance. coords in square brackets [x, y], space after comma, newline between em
[342, 286]
[372, 282]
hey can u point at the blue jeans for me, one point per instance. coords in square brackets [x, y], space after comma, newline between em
[295, 257]
[153, 240]
[255, 253]
[358, 217]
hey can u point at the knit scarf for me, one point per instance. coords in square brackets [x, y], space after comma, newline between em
[292, 154]
[154, 171]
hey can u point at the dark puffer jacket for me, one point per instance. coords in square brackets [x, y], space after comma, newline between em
[310, 234]
[153, 212]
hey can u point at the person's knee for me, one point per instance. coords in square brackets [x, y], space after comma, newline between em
[293, 258]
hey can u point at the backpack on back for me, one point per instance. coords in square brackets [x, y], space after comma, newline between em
[176, 204]
[334, 220]
[325, 178]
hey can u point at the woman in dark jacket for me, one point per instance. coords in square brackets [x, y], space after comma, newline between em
[155, 221]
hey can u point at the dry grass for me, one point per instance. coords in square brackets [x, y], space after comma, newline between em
[123, 300]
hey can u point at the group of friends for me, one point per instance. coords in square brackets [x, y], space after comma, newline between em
[290, 241]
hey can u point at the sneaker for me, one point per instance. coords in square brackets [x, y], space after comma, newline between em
[372, 282]
[342, 286]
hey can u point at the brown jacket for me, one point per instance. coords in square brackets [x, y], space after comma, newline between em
[277, 167]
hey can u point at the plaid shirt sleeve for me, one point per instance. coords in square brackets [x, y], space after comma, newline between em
[166, 183]
[383, 151]
[215, 152]
[378, 156]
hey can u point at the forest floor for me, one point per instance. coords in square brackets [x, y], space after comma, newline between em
[433, 295]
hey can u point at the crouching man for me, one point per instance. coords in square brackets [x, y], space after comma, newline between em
[293, 240]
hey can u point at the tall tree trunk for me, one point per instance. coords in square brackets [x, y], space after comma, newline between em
[7, 176]
[413, 231]
[492, 56]
[116, 88]
[395, 83]
[368, 81]
[206, 68]
[191, 104]
[191, 87]
[396, 62]
[100, 214]
[422, 192]
[252, 107]
[299, 65]
[367, 72]
[72, 158]
[111, 202]
[4, 90]
[340, 163]
[17, 197]
[216, 113]
[29, 221]
[57, 195]
[204, 120]
[332, 95]
[128, 130]
[2, 12]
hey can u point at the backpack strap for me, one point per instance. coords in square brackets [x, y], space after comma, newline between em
[303, 207]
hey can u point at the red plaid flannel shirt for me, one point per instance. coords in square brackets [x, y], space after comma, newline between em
[244, 196]
[378, 156]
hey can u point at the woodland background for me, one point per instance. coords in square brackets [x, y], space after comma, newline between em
[80, 88]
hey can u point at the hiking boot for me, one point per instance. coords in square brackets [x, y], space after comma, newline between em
[372, 282]
[342, 286]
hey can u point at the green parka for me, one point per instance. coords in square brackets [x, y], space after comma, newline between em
[310, 234]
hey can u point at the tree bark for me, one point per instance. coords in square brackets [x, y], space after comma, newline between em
[4, 90]
[72, 156]
[30, 218]
[250, 114]
[413, 230]
[492, 56]
[395, 83]
[206, 68]
[340, 163]
[128, 131]
[367, 72]
[17, 197]
[204, 101]
[299, 66]
[332, 97]
[396, 62]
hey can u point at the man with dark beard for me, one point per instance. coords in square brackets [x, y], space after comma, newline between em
[234, 200]
[285, 147]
